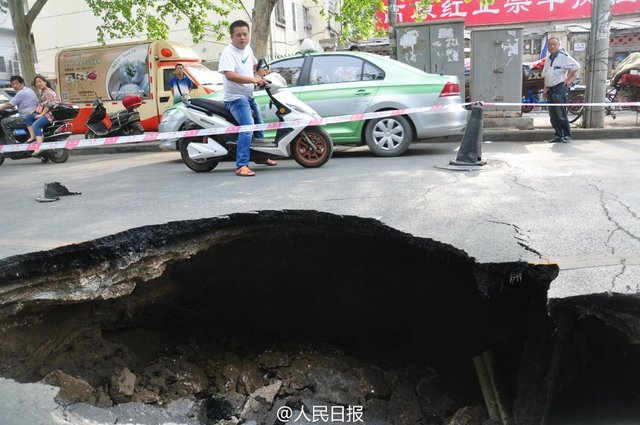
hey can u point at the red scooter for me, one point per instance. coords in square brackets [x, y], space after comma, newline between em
[125, 122]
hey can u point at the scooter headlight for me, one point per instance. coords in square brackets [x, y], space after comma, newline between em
[170, 115]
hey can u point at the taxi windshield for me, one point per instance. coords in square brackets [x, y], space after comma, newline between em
[204, 75]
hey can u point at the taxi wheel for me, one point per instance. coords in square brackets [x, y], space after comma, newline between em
[390, 136]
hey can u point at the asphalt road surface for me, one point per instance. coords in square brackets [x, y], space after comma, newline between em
[576, 205]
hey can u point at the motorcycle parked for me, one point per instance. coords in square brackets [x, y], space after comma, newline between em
[60, 129]
[309, 146]
[125, 122]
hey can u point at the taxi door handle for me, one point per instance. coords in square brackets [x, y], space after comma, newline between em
[363, 92]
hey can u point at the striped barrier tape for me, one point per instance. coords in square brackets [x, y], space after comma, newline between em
[150, 137]
[617, 104]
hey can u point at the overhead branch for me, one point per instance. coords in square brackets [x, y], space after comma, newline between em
[35, 11]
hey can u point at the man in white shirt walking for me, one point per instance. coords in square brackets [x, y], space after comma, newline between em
[238, 66]
[559, 73]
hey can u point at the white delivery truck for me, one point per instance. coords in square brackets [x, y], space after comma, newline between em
[114, 71]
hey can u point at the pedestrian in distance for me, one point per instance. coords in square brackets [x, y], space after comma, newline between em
[180, 84]
[559, 73]
[41, 116]
[25, 100]
[238, 67]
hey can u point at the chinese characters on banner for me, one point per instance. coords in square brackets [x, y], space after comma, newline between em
[505, 11]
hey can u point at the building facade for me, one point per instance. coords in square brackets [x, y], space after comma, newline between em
[9, 63]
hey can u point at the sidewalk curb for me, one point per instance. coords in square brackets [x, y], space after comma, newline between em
[543, 134]
[124, 148]
[536, 135]
[490, 134]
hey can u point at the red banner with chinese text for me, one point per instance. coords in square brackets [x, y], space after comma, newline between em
[505, 11]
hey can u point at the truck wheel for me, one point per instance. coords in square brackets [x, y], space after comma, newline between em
[199, 165]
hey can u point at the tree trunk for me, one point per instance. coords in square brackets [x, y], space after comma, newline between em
[22, 28]
[22, 22]
[261, 17]
[393, 21]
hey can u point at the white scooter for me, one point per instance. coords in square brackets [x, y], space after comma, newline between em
[310, 146]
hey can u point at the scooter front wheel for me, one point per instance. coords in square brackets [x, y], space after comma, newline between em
[527, 106]
[315, 151]
[199, 165]
[135, 129]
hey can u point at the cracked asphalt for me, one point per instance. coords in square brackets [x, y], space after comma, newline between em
[575, 205]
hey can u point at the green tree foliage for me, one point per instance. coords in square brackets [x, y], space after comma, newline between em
[356, 18]
[130, 18]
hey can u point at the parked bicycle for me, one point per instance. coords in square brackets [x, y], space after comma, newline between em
[534, 98]
[578, 110]
[531, 100]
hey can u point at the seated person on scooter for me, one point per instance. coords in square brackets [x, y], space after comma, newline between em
[180, 84]
[237, 65]
[41, 116]
[25, 100]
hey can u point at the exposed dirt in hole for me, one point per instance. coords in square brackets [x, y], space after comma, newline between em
[239, 316]
[598, 380]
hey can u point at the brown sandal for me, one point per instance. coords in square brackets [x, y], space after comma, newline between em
[244, 171]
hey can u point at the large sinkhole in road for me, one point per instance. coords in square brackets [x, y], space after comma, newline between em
[239, 317]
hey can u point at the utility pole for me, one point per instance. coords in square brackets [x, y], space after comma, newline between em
[597, 62]
[393, 42]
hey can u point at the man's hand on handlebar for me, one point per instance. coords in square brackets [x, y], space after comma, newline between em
[259, 81]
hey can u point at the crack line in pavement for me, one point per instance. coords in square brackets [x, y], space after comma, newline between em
[626, 207]
[520, 237]
[609, 215]
[619, 227]
[423, 196]
[623, 262]
[517, 182]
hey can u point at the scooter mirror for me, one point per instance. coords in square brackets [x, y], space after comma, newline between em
[262, 67]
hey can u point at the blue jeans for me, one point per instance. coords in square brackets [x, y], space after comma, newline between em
[38, 124]
[241, 111]
[558, 114]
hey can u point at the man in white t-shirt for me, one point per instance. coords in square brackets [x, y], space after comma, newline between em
[238, 66]
[559, 73]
